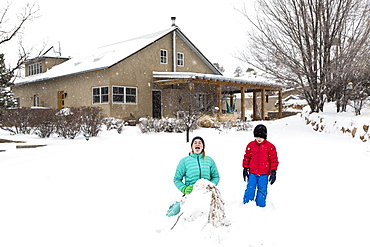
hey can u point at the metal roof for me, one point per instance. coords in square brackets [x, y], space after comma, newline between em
[167, 78]
[107, 56]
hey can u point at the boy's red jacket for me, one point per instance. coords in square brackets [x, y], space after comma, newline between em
[260, 158]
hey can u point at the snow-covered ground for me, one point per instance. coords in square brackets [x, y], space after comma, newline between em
[115, 189]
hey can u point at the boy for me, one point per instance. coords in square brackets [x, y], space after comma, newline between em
[260, 161]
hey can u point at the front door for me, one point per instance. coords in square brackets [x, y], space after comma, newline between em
[157, 104]
[61, 97]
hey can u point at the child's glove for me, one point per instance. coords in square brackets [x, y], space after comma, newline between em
[272, 178]
[187, 189]
[245, 173]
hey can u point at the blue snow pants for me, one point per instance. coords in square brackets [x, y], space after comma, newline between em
[260, 182]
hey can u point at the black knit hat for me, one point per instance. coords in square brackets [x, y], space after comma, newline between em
[260, 131]
[199, 138]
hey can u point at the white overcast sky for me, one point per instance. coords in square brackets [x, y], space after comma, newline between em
[214, 26]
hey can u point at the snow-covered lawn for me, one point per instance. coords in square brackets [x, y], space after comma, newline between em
[115, 189]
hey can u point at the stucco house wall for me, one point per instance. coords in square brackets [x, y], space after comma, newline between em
[132, 71]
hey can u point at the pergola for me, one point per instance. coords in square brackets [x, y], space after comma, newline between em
[244, 85]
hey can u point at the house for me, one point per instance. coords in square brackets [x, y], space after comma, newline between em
[140, 77]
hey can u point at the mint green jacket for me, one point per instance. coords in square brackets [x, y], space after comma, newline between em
[193, 167]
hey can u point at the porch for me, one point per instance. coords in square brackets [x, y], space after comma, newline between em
[237, 85]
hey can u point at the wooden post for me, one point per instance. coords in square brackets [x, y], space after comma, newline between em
[280, 104]
[254, 116]
[219, 91]
[231, 99]
[263, 100]
[242, 103]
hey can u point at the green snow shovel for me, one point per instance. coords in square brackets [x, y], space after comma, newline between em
[174, 209]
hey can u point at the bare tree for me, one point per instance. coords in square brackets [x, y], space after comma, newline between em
[358, 89]
[349, 64]
[193, 102]
[309, 45]
[10, 27]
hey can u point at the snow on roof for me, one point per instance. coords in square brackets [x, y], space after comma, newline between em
[190, 75]
[100, 58]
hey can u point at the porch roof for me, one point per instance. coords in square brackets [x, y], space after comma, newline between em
[169, 78]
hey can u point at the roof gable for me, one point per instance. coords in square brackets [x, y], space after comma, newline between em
[109, 55]
[196, 51]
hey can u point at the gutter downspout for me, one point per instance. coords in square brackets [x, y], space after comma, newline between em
[174, 61]
[174, 50]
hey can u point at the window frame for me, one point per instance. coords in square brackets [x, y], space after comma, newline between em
[124, 94]
[35, 68]
[180, 59]
[36, 101]
[101, 95]
[163, 56]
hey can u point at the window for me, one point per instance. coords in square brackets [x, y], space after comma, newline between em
[36, 101]
[125, 95]
[131, 95]
[180, 59]
[100, 95]
[201, 101]
[35, 68]
[163, 56]
[118, 94]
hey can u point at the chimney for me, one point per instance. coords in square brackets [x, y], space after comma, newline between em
[173, 21]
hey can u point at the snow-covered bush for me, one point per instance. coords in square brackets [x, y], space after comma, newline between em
[75, 120]
[91, 119]
[46, 122]
[178, 125]
[67, 122]
[68, 125]
[154, 125]
[21, 120]
[243, 125]
[149, 125]
[223, 126]
[114, 124]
